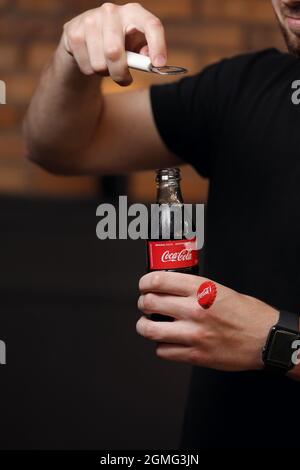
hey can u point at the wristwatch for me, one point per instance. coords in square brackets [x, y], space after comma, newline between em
[278, 352]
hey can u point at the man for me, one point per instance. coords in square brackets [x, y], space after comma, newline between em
[237, 125]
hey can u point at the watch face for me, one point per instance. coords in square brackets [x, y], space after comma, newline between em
[280, 348]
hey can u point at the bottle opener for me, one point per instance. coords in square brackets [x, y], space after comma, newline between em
[143, 63]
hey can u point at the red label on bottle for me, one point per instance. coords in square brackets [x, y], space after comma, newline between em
[173, 254]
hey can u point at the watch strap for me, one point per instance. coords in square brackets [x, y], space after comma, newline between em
[288, 321]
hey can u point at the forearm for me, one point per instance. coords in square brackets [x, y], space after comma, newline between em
[63, 113]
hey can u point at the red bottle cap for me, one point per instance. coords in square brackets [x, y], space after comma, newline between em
[207, 294]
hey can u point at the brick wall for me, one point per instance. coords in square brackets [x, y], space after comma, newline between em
[199, 32]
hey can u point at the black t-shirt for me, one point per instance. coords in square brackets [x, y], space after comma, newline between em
[236, 124]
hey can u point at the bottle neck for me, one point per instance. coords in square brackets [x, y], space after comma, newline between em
[169, 193]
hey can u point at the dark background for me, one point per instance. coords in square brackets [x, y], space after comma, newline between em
[78, 376]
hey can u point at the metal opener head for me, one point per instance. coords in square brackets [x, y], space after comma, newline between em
[168, 70]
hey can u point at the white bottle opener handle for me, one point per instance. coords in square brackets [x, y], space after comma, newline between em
[138, 61]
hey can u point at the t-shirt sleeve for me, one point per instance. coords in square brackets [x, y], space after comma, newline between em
[185, 113]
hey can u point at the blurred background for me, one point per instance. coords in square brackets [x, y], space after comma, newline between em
[199, 32]
[77, 374]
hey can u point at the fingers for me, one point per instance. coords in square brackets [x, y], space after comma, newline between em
[94, 46]
[114, 46]
[170, 283]
[177, 332]
[75, 44]
[179, 308]
[145, 51]
[155, 36]
[97, 39]
[135, 15]
[176, 353]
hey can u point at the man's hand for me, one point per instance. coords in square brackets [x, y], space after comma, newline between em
[229, 336]
[97, 39]
[71, 127]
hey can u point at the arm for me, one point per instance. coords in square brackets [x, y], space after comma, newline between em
[70, 127]
[229, 336]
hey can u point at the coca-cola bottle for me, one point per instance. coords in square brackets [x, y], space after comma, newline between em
[168, 247]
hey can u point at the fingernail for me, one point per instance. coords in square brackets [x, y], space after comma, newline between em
[160, 61]
[125, 82]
